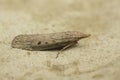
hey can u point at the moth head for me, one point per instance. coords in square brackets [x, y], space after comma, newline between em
[81, 35]
[85, 35]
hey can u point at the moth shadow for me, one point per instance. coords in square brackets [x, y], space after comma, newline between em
[54, 49]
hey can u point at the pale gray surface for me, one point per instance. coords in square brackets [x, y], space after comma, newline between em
[95, 58]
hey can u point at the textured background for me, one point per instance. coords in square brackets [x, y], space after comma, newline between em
[95, 58]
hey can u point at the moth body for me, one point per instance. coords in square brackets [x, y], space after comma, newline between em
[47, 41]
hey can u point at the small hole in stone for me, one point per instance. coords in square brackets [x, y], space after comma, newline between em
[46, 42]
[39, 42]
[53, 41]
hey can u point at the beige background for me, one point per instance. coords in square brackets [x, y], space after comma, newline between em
[95, 58]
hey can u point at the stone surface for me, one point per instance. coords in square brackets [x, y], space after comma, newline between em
[95, 58]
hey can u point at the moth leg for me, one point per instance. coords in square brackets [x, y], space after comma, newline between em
[67, 46]
[30, 49]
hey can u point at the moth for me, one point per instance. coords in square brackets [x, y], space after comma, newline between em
[50, 41]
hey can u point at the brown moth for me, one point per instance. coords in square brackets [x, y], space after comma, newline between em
[36, 42]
